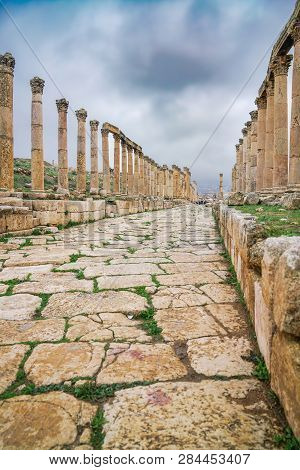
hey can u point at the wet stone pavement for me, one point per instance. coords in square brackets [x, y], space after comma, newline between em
[125, 334]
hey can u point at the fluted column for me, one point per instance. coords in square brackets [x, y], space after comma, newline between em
[124, 165]
[81, 150]
[269, 144]
[261, 103]
[244, 165]
[105, 161]
[62, 108]
[116, 163]
[7, 65]
[130, 170]
[280, 164]
[142, 175]
[253, 150]
[37, 150]
[294, 163]
[94, 186]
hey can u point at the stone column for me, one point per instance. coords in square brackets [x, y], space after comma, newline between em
[269, 143]
[294, 163]
[130, 170]
[244, 164]
[7, 65]
[248, 157]
[94, 186]
[141, 175]
[81, 151]
[116, 164]
[170, 189]
[136, 172]
[37, 151]
[124, 165]
[221, 194]
[105, 162]
[253, 150]
[165, 180]
[233, 174]
[239, 155]
[63, 182]
[187, 179]
[261, 138]
[280, 163]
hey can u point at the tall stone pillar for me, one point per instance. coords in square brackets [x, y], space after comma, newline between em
[248, 157]
[269, 143]
[170, 186]
[253, 150]
[239, 156]
[37, 150]
[221, 194]
[63, 182]
[7, 65]
[280, 163]
[105, 162]
[94, 187]
[124, 165]
[141, 174]
[136, 172]
[81, 150]
[261, 103]
[116, 163]
[187, 180]
[165, 180]
[130, 170]
[294, 163]
[244, 164]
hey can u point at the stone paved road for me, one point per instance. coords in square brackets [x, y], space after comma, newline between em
[127, 323]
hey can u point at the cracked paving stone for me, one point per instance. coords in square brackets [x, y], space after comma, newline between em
[220, 293]
[19, 306]
[206, 415]
[178, 268]
[47, 421]
[71, 304]
[204, 277]
[230, 315]
[186, 323]
[10, 359]
[220, 356]
[174, 297]
[54, 283]
[55, 363]
[34, 330]
[37, 258]
[21, 272]
[131, 363]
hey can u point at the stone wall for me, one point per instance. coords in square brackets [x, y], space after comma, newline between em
[269, 274]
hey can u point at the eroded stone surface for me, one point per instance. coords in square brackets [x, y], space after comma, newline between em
[220, 293]
[10, 359]
[47, 421]
[186, 278]
[124, 270]
[54, 283]
[172, 416]
[23, 272]
[31, 330]
[174, 297]
[18, 307]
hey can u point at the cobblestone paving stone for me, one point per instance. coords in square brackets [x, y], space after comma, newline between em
[124, 333]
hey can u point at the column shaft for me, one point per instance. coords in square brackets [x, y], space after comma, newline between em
[105, 162]
[261, 138]
[94, 186]
[116, 163]
[269, 144]
[130, 170]
[142, 176]
[253, 150]
[124, 166]
[294, 163]
[37, 151]
[62, 108]
[81, 151]
[136, 172]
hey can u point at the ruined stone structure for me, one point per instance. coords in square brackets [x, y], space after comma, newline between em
[263, 163]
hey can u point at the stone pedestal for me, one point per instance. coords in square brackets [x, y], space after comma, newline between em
[280, 163]
[105, 162]
[81, 115]
[94, 186]
[116, 164]
[261, 138]
[269, 143]
[7, 65]
[63, 183]
[124, 166]
[37, 151]
[294, 163]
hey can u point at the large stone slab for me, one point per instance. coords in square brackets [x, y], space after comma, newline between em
[49, 421]
[186, 323]
[178, 268]
[231, 316]
[123, 282]
[124, 270]
[56, 363]
[193, 278]
[23, 272]
[18, 307]
[71, 304]
[10, 359]
[195, 258]
[220, 356]
[53, 283]
[43, 257]
[36, 330]
[220, 293]
[206, 415]
[174, 297]
[131, 363]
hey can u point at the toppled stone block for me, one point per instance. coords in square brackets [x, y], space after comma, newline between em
[235, 199]
[251, 198]
[291, 201]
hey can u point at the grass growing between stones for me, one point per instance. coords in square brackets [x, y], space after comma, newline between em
[261, 372]
[75, 256]
[149, 322]
[97, 437]
[131, 250]
[276, 220]
[45, 299]
[12, 283]
[287, 440]
[27, 242]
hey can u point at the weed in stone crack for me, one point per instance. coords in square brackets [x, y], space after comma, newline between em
[27, 242]
[97, 437]
[261, 372]
[11, 284]
[287, 440]
[149, 323]
[108, 261]
[95, 286]
[131, 250]
[36, 232]
[79, 274]
[155, 280]
[45, 299]
[20, 376]
[75, 256]
[4, 238]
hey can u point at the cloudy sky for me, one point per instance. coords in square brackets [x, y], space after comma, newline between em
[164, 71]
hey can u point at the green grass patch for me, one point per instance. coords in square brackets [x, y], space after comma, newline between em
[36, 232]
[155, 280]
[75, 256]
[276, 220]
[131, 250]
[97, 437]
[287, 440]
[260, 372]
[79, 274]
[45, 299]
[27, 242]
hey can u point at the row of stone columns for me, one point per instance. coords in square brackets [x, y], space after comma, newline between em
[134, 173]
[265, 159]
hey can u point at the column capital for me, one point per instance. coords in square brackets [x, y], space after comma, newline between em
[117, 138]
[81, 114]
[254, 115]
[270, 88]
[62, 105]
[37, 85]
[237, 146]
[281, 64]
[8, 61]
[295, 33]
[248, 125]
[244, 131]
[94, 124]
[241, 141]
[261, 102]
[104, 132]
